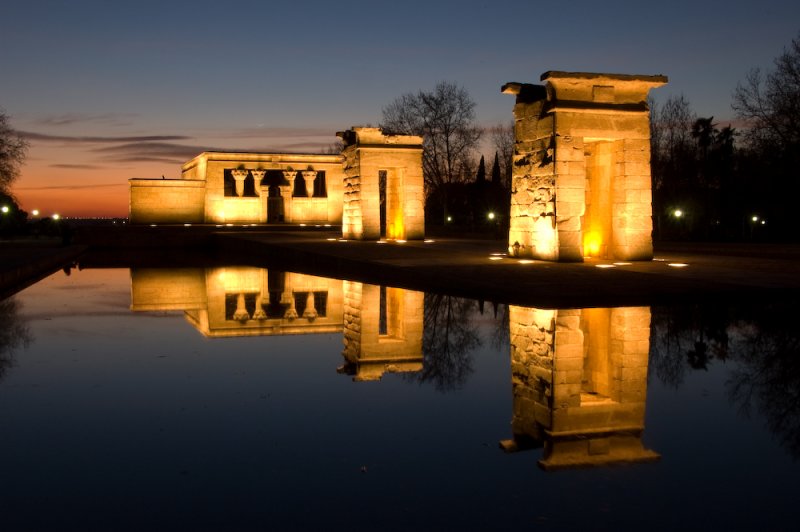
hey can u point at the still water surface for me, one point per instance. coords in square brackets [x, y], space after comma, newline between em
[236, 398]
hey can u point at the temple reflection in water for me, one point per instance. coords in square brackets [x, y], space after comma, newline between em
[578, 377]
[381, 327]
[579, 380]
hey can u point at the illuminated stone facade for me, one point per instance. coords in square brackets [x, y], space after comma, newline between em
[241, 301]
[581, 174]
[381, 327]
[218, 187]
[382, 330]
[383, 190]
[579, 381]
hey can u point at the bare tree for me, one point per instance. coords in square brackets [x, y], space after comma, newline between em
[770, 104]
[503, 140]
[445, 119]
[14, 333]
[12, 154]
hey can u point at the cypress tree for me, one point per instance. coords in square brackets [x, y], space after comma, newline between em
[496, 170]
[481, 177]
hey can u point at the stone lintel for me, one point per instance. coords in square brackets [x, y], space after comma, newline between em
[580, 106]
[656, 80]
[374, 136]
[599, 89]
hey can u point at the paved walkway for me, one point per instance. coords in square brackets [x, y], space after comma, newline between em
[682, 272]
[479, 269]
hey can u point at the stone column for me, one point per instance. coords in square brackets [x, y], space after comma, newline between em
[240, 314]
[286, 196]
[258, 175]
[291, 312]
[239, 175]
[309, 176]
[310, 313]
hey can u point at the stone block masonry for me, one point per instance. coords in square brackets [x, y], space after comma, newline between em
[581, 174]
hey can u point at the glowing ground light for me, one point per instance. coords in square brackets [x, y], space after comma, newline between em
[622, 264]
[495, 258]
[400, 241]
[381, 242]
[677, 264]
[187, 225]
[526, 261]
[335, 239]
[604, 266]
[153, 225]
[429, 241]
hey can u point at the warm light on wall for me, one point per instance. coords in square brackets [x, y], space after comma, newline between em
[591, 244]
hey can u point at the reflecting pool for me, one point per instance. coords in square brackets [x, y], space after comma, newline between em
[240, 398]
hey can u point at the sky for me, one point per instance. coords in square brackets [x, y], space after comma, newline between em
[107, 91]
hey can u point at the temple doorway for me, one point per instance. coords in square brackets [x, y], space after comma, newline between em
[275, 212]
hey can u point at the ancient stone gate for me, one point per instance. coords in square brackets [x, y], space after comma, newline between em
[383, 185]
[581, 178]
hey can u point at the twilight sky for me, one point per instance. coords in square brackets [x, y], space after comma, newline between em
[106, 91]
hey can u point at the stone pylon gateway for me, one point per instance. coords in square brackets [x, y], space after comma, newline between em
[581, 174]
[383, 185]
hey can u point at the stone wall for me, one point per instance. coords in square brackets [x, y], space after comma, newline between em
[166, 201]
[367, 153]
[581, 173]
[373, 348]
[579, 384]
[211, 167]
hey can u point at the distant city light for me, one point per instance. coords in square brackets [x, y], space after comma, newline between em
[56, 216]
[35, 212]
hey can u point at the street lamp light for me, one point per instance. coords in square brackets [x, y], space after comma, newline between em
[490, 216]
[677, 213]
[4, 209]
[56, 216]
[35, 212]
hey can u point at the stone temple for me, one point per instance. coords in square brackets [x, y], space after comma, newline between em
[581, 177]
[374, 188]
[581, 174]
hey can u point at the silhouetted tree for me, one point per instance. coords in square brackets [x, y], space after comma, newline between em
[769, 105]
[14, 333]
[503, 141]
[496, 179]
[481, 176]
[445, 119]
[448, 338]
[12, 154]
